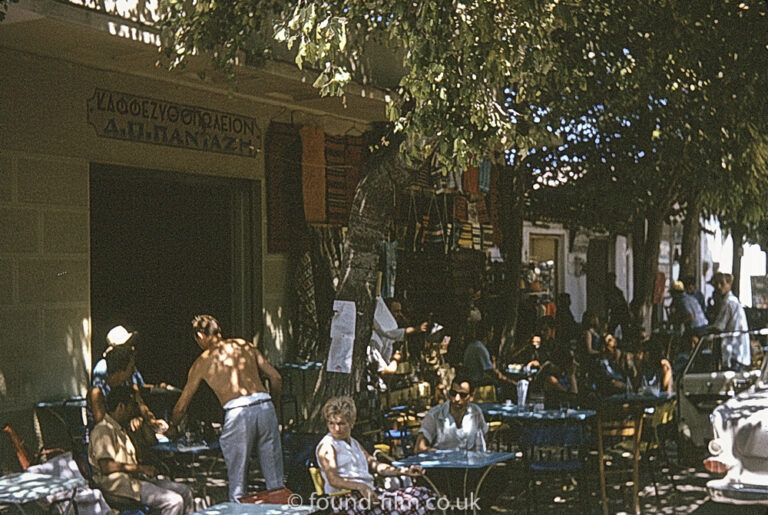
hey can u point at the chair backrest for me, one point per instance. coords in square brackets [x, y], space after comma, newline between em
[317, 480]
[620, 422]
[23, 455]
[663, 414]
[486, 393]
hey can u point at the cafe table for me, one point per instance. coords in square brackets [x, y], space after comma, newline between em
[25, 487]
[513, 412]
[622, 415]
[194, 449]
[458, 460]
[234, 508]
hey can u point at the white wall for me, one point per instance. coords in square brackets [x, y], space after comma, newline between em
[720, 248]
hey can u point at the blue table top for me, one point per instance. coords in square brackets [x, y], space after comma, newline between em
[184, 447]
[454, 459]
[528, 414]
[227, 508]
[639, 399]
[309, 365]
[23, 487]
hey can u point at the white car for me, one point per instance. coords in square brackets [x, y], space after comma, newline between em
[704, 385]
[740, 448]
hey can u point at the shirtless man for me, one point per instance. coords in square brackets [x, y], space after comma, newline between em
[231, 368]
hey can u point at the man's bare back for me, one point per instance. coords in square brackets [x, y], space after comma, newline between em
[230, 369]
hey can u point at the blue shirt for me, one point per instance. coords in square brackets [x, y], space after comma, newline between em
[477, 361]
[692, 307]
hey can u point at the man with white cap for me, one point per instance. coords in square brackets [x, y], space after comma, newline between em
[116, 336]
[123, 372]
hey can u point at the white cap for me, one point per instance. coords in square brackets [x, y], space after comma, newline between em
[118, 335]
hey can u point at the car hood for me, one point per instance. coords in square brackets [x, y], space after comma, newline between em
[745, 417]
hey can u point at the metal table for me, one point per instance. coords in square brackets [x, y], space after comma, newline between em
[233, 508]
[182, 447]
[24, 487]
[522, 414]
[457, 460]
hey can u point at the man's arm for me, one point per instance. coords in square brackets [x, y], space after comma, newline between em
[427, 434]
[108, 466]
[193, 383]
[271, 373]
[96, 403]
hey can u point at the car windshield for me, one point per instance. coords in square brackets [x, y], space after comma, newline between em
[708, 355]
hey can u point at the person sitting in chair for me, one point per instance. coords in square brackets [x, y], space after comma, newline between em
[346, 465]
[117, 472]
[456, 424]
[120, 368]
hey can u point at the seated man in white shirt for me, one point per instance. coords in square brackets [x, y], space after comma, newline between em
[456, 424]
[116, 470]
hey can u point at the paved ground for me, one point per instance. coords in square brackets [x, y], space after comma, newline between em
[554, 495]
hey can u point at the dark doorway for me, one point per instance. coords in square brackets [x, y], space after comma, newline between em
[165, 247]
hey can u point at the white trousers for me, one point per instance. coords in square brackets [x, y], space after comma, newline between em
[168, 497]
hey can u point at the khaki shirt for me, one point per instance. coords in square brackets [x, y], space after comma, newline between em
[109, 440]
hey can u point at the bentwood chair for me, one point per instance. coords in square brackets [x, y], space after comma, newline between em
[614, 425]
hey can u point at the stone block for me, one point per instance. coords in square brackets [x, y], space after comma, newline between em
[7, 269]
[22, 330]
[66, 342]
[7, 179]
[53, 280]
[48, 181]
[19, 230]
[65, 232]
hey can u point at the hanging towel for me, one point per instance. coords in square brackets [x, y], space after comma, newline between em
[354, 157]
[471, 180]
[483, 216]
[460, 208]
[390, 269]
[477, 237]
[313, 173]
[335, 181]
[465, 236]
[484, 175]
[487, 230]
[306, 325]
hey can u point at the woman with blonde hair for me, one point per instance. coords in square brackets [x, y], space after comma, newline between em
[346, 465]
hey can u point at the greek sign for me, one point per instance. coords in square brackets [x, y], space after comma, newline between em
[146, 120]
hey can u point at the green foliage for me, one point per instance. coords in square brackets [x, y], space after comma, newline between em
[670, 96]
[675, 95]
[458, 59]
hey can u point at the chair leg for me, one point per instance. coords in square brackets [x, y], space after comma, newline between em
[601, 465]
[636, 460]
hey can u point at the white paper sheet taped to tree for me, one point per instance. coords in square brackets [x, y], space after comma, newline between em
[342, 337]
[383, 321]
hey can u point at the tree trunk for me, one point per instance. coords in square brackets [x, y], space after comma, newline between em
[691, 234]
[368, 223]
[645, 272]
[511, 191]
[737, 235]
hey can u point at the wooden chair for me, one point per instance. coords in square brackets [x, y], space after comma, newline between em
[554, 450]
[652, 448]
[619, 422]
[496, 428]
[319, 482]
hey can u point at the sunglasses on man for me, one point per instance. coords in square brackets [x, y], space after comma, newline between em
[453, 393]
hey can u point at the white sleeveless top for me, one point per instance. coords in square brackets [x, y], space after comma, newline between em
[351, 463]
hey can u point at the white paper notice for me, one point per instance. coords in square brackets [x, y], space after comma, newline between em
[383, 321]
[342, 337]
